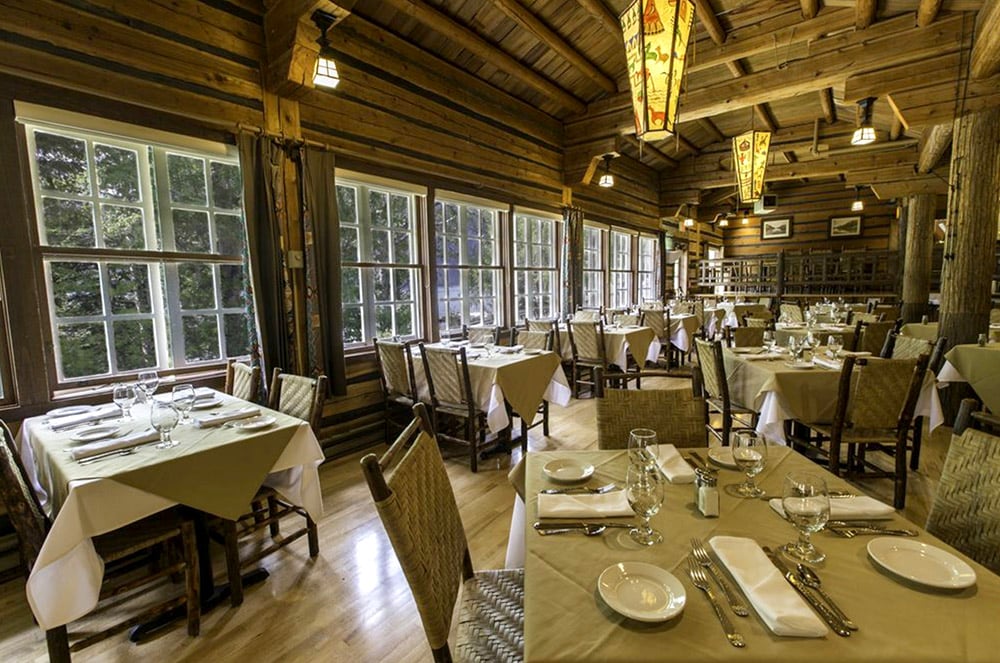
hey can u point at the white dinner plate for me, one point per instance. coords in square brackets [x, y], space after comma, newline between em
[91, 433]
[532, 351]
[921, 563]
[748, 351]
[69, 411]
[256, 423]
[567, 470]
[800, 364]
[207, 403]
[722, 456]
[641, 591]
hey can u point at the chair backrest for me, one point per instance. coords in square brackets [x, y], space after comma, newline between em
[766, 301]
[534, 340]
[447, 374]
[627, 318]
[395, 368]
[587, 315]
[654, 319]
[676, 416]
[965, 512]
[881, 394]
[539, 325]
[417, 507]
[480, 334]
[907, 347]
[995, 316]
[937, 355]
[745, 337]
[792, 312]
[242, 381]
[754, 321]
[652, 304]
[873, 335]
[587, 339]
[866, 318]
[713, 372]
[19, 498]
[298, 396]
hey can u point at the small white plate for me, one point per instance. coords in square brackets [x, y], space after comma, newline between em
[91, 433]
[532, 351]
[748, 351]
[256, 423]
[207, 403]
[922, 563]
[69, 411]
[566, 470]
[800, 364]
[641, 591]
[722, 456]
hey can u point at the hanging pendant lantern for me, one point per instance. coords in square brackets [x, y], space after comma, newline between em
[656, 39]
[750, 163]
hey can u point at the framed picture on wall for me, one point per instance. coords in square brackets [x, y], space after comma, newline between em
[775, 228]
[845, 226]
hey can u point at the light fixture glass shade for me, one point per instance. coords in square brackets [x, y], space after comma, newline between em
[863, 136]
[688, 222]
[326, 74]
[723, 222]
[750, 162]
[607, 180]
[656, 39]
[746, 219]
[858, 205]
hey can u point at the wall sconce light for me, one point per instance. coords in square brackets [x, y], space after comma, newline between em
[746, 219]
[858, 205]
[326, 74]
[723, 222]
[865, 133]
[607, 180]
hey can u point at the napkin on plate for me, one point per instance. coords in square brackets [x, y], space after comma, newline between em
[777, 603]
[113, 444]
[608, 505]
[674, 467]
[849, 508]
[219, 418]
[827, 363]
[848, 353]
[108, 411]
[201, 395]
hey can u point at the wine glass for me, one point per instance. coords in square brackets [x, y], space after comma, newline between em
[124, 398]
[148, 382]
[642, 446]
[164, 417]
[769, 341]
[644, 490]
[750, 456]
[183, 398]
[793, 346]
[835, 344]
[807, 506]
[489, 345]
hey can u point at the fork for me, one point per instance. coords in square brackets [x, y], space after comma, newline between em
[606, 488]
[701, 556]
[700, 581]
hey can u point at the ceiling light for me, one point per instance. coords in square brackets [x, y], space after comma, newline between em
[723, 222]
[858, 205]
[865, 133]
[326, 74]
[749, 162]
[607, 180]
[746, 219]
[943, 227]
[688, 222]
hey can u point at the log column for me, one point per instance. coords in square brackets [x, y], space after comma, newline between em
[919, 245]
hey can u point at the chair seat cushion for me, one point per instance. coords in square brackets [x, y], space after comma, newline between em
[491, 619]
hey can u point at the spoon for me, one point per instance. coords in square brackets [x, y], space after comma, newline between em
[812, 580]
[600, 490]
[588, 529]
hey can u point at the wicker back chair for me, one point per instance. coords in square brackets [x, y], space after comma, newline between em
[874, 336]
[447, 373]
[534, 340]
[395, 373]
[627, 319]
[120, 584]
[675, 414]
[907, 347]
[417, 507]
[866, 318]
[792, 312]
[298, 396]
[587, 315]
[242, 381]
[745, 337]
[655, 320]
[481, 334]
[716, 388]
[759, 320]
[539, 325]
[589, 352]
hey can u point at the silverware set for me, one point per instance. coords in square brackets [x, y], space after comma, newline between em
[107, 454]
[700, 566]
[807, 584]
[700, 580]
[585, 528]
[580, 490]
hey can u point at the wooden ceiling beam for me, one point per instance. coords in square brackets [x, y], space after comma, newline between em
[472, 42]
[810, 8]
[646, 148]
[904, 77]
[897, 129]
[986, 51]
[934, 145]
[827, 104]
[900, 6]
[706, 15]
[527, 20]
[865, 13]
[760, 111]
[604, 16]
[927, 12]
[709, 126]
[910, 187]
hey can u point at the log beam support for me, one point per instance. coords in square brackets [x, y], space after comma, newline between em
[919, 247]
[985, 60]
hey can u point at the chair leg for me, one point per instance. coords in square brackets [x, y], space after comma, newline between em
[57, 641]
[899, 498]
[193, 581]
[272, 508]
[313, 536]
[233, 563]
[545, 418]
[470, 434]
[918, 433]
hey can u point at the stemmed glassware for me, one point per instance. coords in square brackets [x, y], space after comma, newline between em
[183, 398]
[835, 344]
[750, 456]
[806, 503]
[164, 418]
[642, 446]
[489, 345]
[148, 382]
[124, 397]
[769, 341]
[644, 490]
[793, 347]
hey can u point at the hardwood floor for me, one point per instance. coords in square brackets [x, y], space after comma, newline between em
[352, 602]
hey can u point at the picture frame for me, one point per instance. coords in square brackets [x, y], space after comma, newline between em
[845, 226]
[775, 228]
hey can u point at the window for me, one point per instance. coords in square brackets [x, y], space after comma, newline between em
[468, 265]
[535, 272]
[142, 248]
[380, 278]
[593, 268]
[621, 269]
[648, 263]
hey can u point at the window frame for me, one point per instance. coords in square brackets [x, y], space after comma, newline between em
[527, 270]
[653, 273]
[621, 267]
[598, 275]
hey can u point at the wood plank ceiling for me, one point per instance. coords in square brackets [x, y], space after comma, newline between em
[795, 67]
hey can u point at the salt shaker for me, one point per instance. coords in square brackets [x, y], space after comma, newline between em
[981, 340]
[706, 492]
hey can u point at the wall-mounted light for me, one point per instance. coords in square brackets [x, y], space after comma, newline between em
[607, 180]
[723, 222]
[746, 219]
[858, 205]
[326, 74]
[865, 133]
[689, 222]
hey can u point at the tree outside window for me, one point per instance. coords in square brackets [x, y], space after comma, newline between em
[593, 268]
[468, 266]
[535, 272]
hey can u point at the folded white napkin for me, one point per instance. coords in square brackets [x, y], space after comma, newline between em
[849, 508]
[108, 411]
[848, 353]
[608, 505]
[219, 418]
[763, 357]
[201, 394]
[113, 444]
[510, 350]
[674, 467]
[827, 363]
[777, 603]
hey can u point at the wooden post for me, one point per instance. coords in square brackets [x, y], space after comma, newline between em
[779, 279]
[919, 222]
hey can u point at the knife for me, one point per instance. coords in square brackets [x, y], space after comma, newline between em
[823, 609]
[580, 525]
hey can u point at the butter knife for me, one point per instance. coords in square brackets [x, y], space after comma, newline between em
[580, 525]
[823, 609]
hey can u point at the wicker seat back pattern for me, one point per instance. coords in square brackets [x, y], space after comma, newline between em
[245, 381]
[535, 340]
[674, 414]
[866, 318]
[907, 347]
[19, 498]
[539, 325]
[482, 334]
[626, 319]
[995, 316]
[755, 322]
[447, 376]
[709, 368]
[873, 336]
[297, 396]
[393, 360]
[792, 312]
[966, 507]
[879, 388]
[587, 315]
[744, 337]
[587, 340]
[653, 318]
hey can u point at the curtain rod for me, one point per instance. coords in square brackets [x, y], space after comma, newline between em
[240, 126]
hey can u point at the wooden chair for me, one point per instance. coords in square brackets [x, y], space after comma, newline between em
[588, 315]
[792, 312]
[447, 374]
[656, 319]
[907, 347]
[480, 334]
[758, 320]
[587, 342]
[417, 507]
[242, 381]
[874, 409]
[874, 336]
[627, 319]
[675, 414]
[745, 337]
[910, 350]
[395, 373]
[716, 392]
[546, 326]
[535, 340]
[118, 550]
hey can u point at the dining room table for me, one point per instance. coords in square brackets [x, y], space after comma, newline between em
[979, 365]
[928, 331]
[228, 450]
[903, 610]
[820, 332]
[683, 327]
[620, 341]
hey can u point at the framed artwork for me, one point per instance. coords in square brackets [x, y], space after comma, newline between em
[775, 228]
[845, 226]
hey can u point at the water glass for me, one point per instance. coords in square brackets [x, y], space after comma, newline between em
[124, 397]
[148, 382]
[806, 503]
[644, 490]
[183, 398]
[793, 347]
[835, 344]
[642, 446]
[750, 456]
[769, 341]
[164, 418]
[489, 345]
